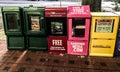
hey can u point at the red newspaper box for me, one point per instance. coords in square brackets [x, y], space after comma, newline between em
[57, 44]
[56, 22]
[78, 28]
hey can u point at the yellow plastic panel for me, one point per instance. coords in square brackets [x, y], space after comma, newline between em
[104, 26]
[103, 14]
[101, 47]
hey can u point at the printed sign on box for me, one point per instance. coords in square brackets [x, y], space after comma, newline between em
[35, 23]
[79, 11]
[55, 12]
[57, 44]
[103, 25]
[77, 47]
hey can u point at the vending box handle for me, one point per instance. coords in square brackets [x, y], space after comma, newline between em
[18, 23]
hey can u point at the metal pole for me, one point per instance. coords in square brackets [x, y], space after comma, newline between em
[60, 3]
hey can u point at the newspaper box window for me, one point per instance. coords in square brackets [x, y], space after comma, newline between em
[104, 25]
[12, 21]
[34, 23]
[78, 27]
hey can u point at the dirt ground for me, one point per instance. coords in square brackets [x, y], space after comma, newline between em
[2, 34]
[1, 24]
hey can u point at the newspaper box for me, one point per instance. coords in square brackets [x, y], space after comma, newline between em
[104, 28]
[78, 28]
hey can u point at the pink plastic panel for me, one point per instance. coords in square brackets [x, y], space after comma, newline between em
[77, 47]
[78, 11]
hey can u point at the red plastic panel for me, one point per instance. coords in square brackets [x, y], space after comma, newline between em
[56, 12]
[57, 44]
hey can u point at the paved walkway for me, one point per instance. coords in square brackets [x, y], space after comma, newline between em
[41, 61]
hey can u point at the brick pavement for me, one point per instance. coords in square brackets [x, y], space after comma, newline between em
[42, 61]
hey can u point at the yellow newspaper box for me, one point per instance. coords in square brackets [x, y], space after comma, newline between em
[104, 26]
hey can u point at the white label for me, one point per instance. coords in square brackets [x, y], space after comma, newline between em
[77, 47]
[78, 10]
[57, 48]
[104, 25]
[57, 42]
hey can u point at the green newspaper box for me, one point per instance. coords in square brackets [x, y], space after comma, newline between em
[13, 27]
[35, 28]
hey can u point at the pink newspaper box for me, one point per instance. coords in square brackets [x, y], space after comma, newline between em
[78, 29]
